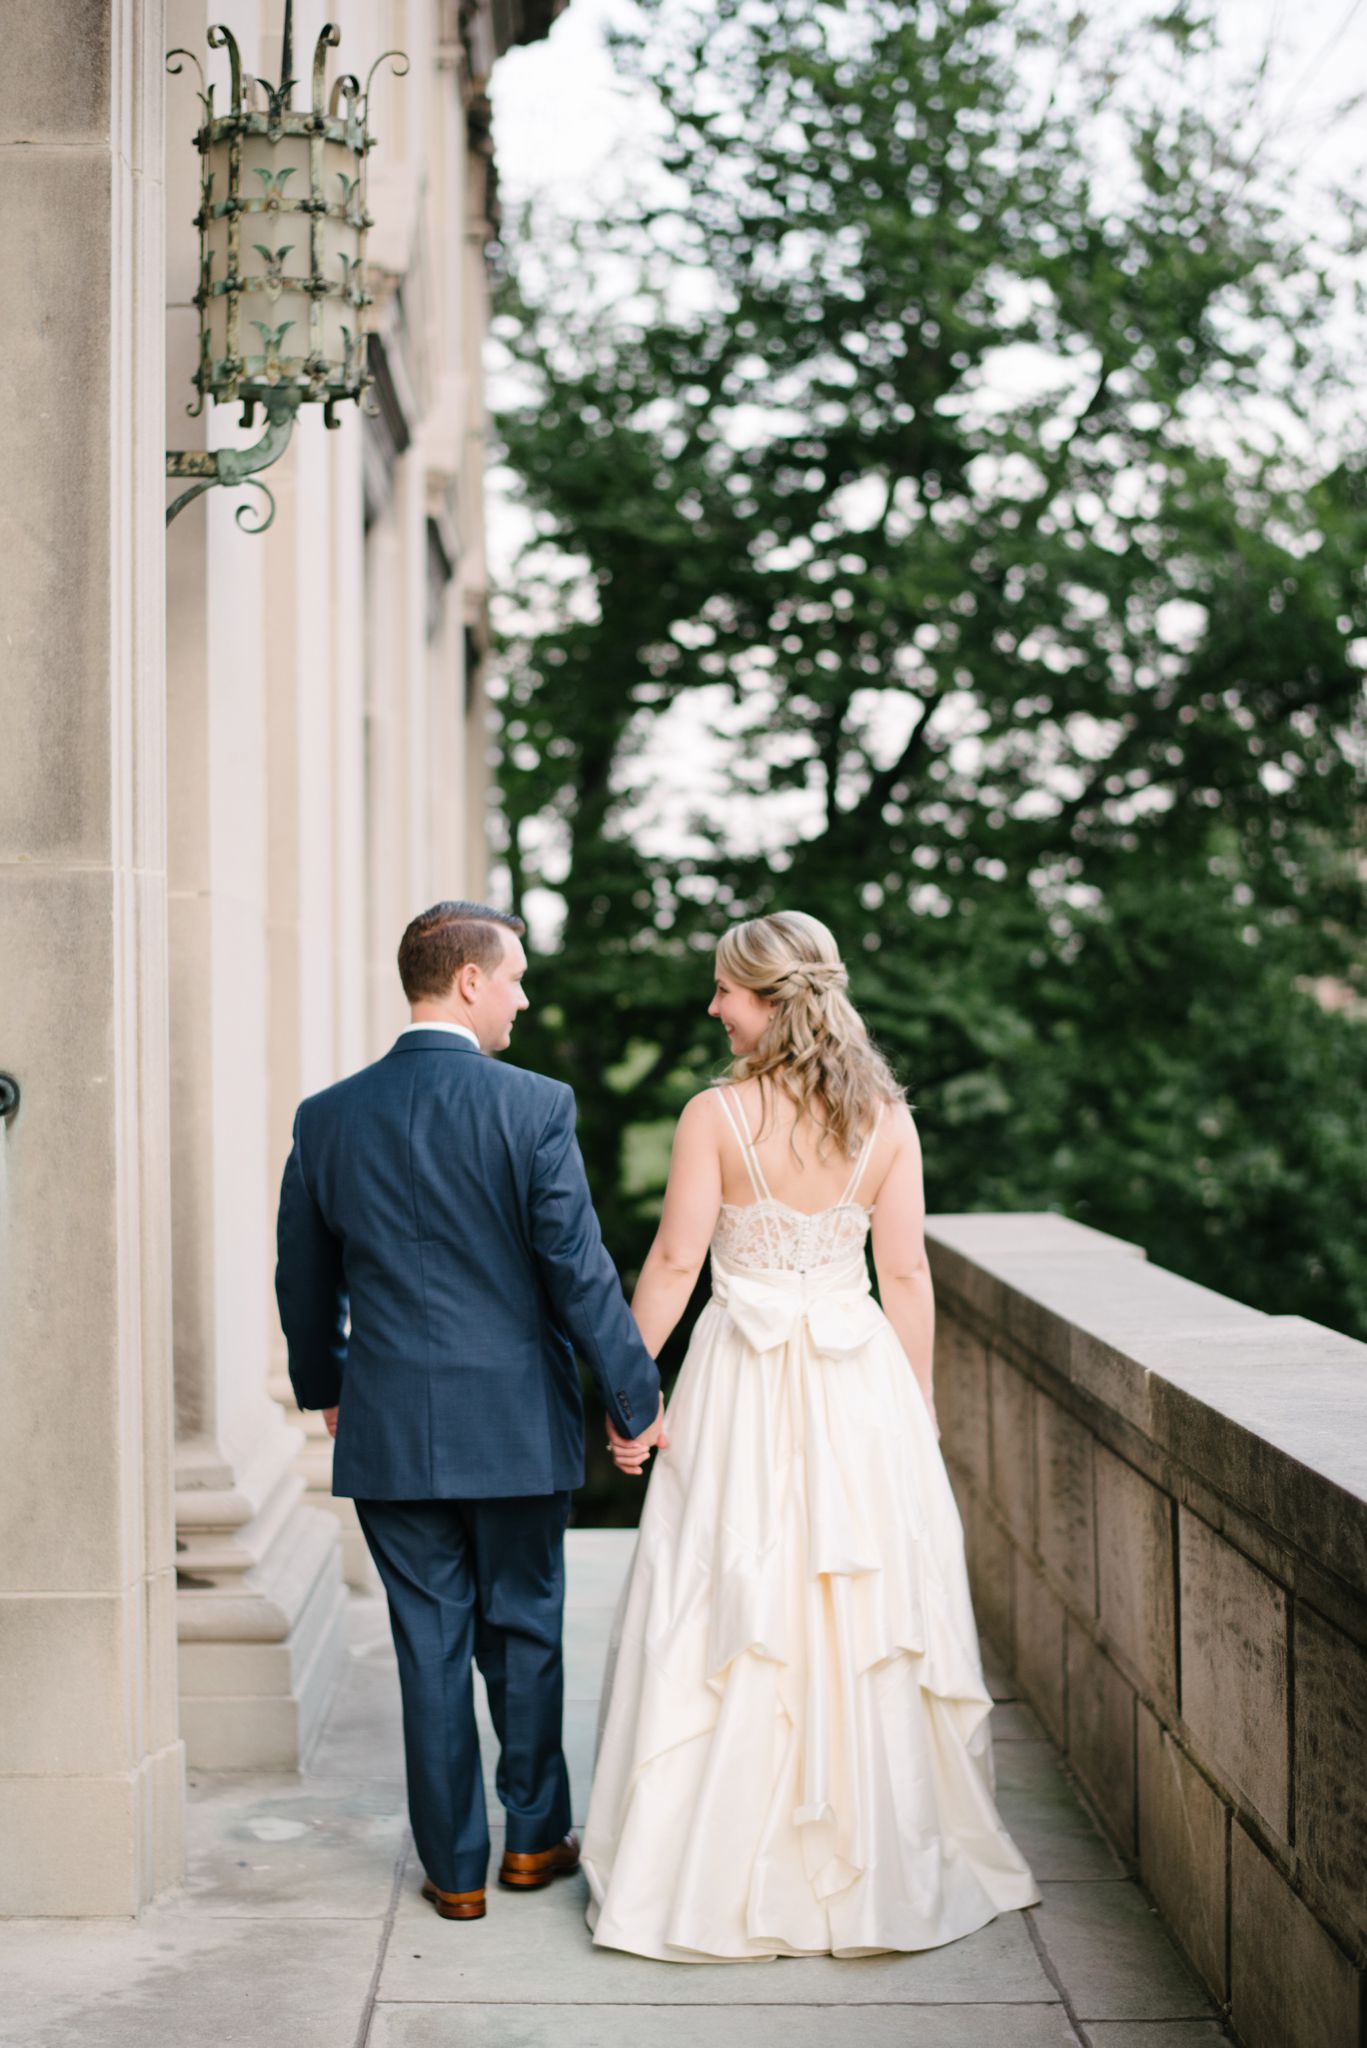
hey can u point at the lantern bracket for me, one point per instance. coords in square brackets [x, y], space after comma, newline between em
[230, 466]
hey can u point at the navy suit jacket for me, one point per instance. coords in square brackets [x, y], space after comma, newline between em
[439, 1198]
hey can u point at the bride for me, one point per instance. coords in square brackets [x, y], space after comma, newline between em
[795, 1754]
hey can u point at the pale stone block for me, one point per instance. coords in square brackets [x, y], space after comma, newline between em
[992, 1586]
[91, 1845]
[1183, 1825]
[56, 87]
[270, 1731]
[358, 1566]
[184, 431]
[1331, 1763]
[55, 396]
[250, 1582]
[164, 1818]
[162, 1723]
[966, 1501]
[961, 1398]
[64, 1512]
[181, 263]
[246, 1667]
[1039, 1644]
[1135, 1583]
[314, 1466]
[192, 1187]
[978, 1239]
[1013, 1448]
[153, 1133]
[1291, 1986]
[260, 1611]
[1067, 1539]
[1080, 1315]
[1234, 1668]
[67, 1693]
[1117, 1324]
[1275, 1418]
[1101, 1710]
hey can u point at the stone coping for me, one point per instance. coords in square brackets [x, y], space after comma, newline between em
[1270, 1411]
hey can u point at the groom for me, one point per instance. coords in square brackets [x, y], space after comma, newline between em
[437, 1199]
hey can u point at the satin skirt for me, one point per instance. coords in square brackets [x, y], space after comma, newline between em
[795, 1756]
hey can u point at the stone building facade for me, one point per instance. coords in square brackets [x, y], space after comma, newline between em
[231, 768]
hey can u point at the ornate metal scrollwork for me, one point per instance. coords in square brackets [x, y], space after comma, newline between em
[282, 229]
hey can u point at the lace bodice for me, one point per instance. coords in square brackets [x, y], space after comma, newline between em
[770, 1236]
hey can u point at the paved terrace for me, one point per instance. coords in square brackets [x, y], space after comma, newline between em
[301, 1921]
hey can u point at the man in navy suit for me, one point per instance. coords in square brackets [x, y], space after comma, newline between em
[439, 1261]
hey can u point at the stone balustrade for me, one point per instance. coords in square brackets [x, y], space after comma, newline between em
[1164, 1496]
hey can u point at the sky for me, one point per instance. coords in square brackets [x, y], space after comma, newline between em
[564, 125]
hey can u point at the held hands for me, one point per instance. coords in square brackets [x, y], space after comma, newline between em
[330, 1418]
[629, 1453]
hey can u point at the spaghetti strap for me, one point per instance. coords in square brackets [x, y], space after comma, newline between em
[735, 1116]
[862, 1161]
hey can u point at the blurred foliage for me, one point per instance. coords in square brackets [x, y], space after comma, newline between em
[943, 424]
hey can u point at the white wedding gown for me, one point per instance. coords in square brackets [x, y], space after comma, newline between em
[795, 1755]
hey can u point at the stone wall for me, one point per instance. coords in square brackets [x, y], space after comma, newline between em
[92, 1768]
[1164, 1497]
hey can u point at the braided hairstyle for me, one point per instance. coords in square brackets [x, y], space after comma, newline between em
[815, 1047]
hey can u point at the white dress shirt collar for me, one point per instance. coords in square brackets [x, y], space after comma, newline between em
[460, 1030]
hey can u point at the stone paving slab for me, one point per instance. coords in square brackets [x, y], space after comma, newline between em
[1155, 2034]
[541, 1938]
[758, 2026]
[184, 1978]
[306, 1848]
[1043, 1816]
[1114, 1955]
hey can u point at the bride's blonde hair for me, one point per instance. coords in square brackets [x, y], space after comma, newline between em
[816, 1046]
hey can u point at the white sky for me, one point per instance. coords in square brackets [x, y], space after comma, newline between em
[565, 125]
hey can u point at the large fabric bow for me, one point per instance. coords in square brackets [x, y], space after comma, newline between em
[838, 1319]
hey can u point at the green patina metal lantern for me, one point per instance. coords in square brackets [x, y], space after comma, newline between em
[282, 226]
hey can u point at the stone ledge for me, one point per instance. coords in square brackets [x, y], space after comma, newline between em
[1269, 1411]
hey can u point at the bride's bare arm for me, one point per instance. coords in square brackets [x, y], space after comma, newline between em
[899, 1256]
[692, 1200]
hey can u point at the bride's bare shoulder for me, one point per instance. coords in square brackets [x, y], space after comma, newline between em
[702, 1112]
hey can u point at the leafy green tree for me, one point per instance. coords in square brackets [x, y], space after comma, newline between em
[939, 440]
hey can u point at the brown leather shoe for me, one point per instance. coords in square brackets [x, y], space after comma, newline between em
[521, 1871]
[455, 1905]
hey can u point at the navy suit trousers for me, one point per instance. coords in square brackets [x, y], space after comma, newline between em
[480, 1580]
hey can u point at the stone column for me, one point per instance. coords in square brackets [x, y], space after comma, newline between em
[261, 1607]
[91, 1766]
[474, 568]
[447, 767]
[396, 789]
[310, 987]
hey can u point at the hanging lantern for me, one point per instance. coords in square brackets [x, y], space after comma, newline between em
[282, 227]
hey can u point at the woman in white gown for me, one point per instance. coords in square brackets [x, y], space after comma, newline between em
[795, 1754]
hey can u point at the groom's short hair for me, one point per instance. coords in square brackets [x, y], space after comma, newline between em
[449, 936]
